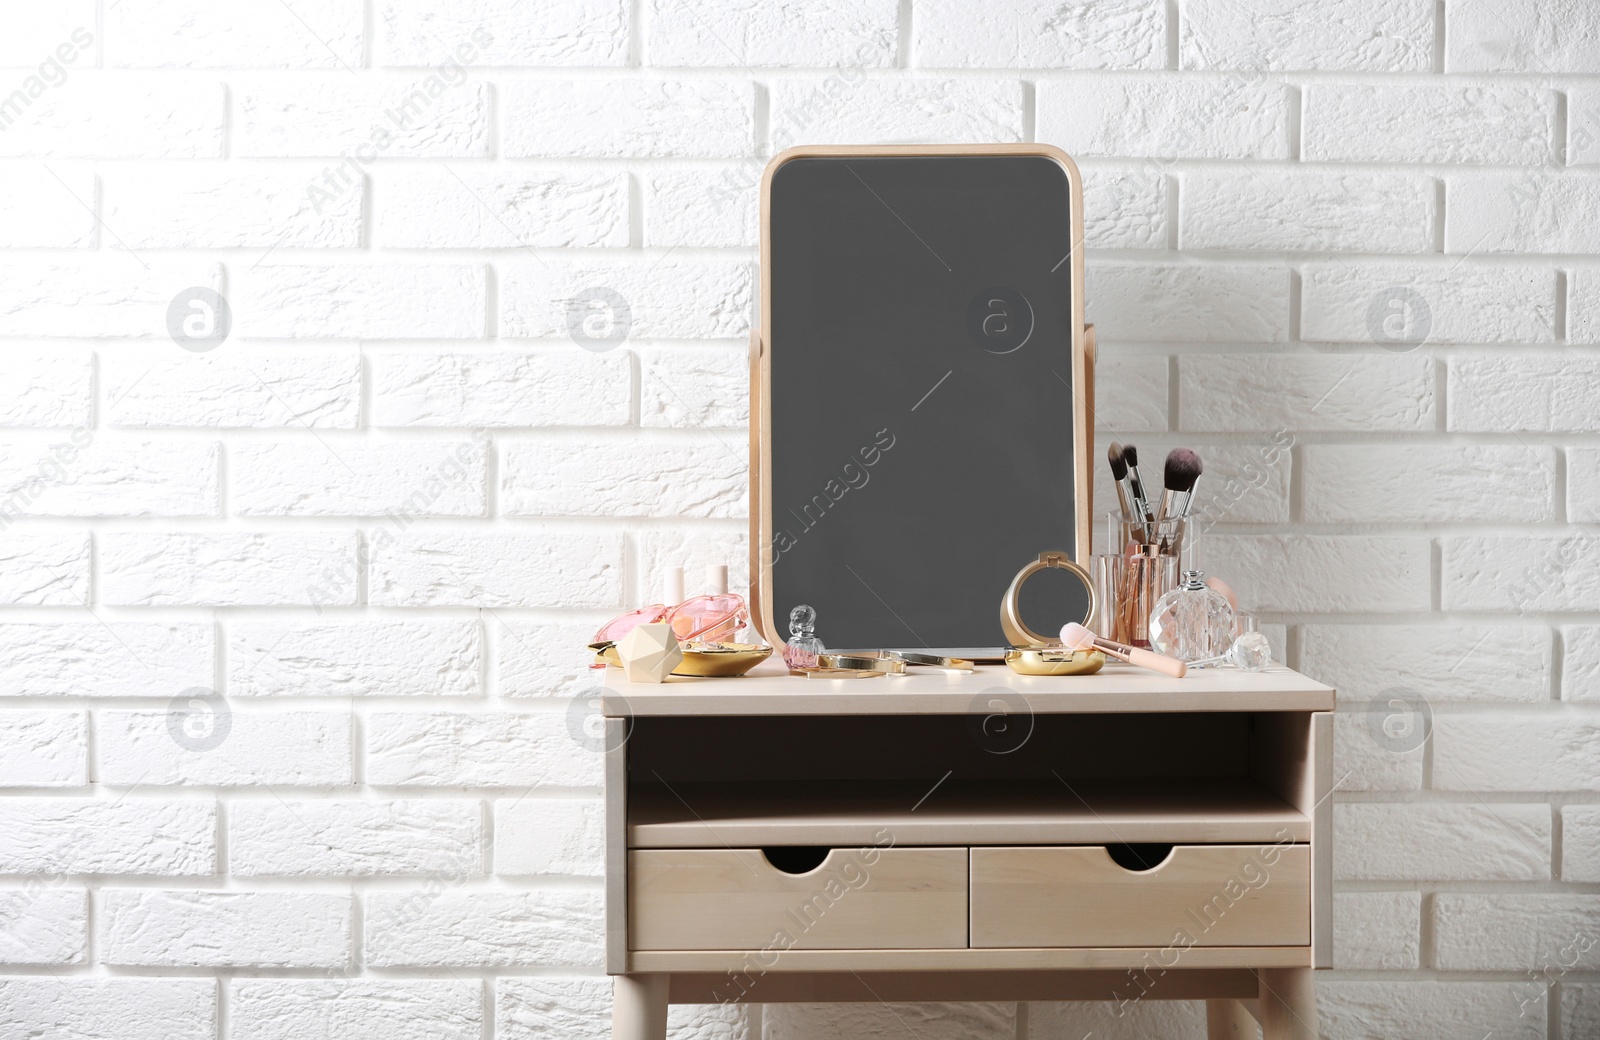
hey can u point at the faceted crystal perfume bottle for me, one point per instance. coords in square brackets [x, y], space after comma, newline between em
[803, 646]
[1193, 622]
[1250, 652]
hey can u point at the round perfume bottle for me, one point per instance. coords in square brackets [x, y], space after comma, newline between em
[1193, 622]
[1250, 652]
[803, 646]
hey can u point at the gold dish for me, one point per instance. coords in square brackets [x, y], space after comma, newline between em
[721, 660]
[1053, 660]
[701, 660]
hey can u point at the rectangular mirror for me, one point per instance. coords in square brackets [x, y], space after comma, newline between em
[920, 391]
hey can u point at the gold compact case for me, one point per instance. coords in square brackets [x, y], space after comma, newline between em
[701, 660]
[1053, 660]
[1032, 653]
[1016, 630]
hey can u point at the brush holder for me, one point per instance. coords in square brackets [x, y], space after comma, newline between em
[1146, 563]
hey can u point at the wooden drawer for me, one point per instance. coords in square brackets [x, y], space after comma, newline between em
[734, 899]
[1200, 895]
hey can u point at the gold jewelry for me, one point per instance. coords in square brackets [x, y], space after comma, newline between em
[862, 662]
[959, 664]
[1011, 622]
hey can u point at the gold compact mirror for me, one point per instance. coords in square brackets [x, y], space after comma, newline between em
[1049, 592]
[1046, 594]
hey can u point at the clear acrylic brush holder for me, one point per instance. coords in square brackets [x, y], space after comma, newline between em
[1146, 562]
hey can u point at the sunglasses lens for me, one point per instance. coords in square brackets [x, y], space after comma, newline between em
[708, 618]
[618, 627]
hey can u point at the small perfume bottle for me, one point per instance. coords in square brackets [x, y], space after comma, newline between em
[1250, 652]
[803, 646]
[1193, 622]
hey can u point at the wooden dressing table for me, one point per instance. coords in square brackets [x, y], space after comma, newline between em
[982, 836]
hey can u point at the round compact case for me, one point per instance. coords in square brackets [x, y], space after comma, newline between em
[1057, 660]
[1033, 654]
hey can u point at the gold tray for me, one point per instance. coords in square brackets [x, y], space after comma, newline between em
[1053, 660]
[701, 660]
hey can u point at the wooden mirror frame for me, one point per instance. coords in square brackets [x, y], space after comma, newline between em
[1083, 357]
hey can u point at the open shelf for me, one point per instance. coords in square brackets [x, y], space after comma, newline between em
[1032, 811]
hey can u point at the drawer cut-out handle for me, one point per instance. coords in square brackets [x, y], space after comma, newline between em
[1139, 856]
[796, 859]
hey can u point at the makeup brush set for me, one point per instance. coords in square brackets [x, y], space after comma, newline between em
[1145, 596]
[1153, 520]
[1146, 542]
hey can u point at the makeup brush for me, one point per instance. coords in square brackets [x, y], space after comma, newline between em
[1119, 475]
[1141, 502]
[1076, 637]
[1182, 470]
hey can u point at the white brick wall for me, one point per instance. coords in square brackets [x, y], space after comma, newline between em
[281, 658]
[282, 748]
[77, 835]
[549, 927]
[416, 1009]
[195, 34]
[291, 625]
[308, 838]
[179, 928]
[1349, 35]
[425, 208]
[228, 206]
[40, 211]
[43, 925]
[1509, 125]
[44, 749]
[130, 1008]
[1214, 118]
[288, 387]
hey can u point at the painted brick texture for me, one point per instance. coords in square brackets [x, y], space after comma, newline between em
[292, 593]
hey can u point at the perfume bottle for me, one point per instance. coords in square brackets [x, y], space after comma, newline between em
[1193, 622]
[1250, 652]
[803, 646]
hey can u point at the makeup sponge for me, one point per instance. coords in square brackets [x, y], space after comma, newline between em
[1075, 637]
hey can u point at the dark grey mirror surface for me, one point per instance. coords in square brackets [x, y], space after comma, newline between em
[1050, 598]
[920, 351]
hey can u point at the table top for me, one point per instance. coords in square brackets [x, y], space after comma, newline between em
[769, 690]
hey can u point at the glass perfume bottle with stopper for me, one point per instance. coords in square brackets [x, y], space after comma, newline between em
[1193, 622]
[1250, 652]
[803, 646]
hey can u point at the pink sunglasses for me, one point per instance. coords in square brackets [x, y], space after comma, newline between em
[704, 619]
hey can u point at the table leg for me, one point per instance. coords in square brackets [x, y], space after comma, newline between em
[1228, 1020]
[639, 1007]
[1288, 1004]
